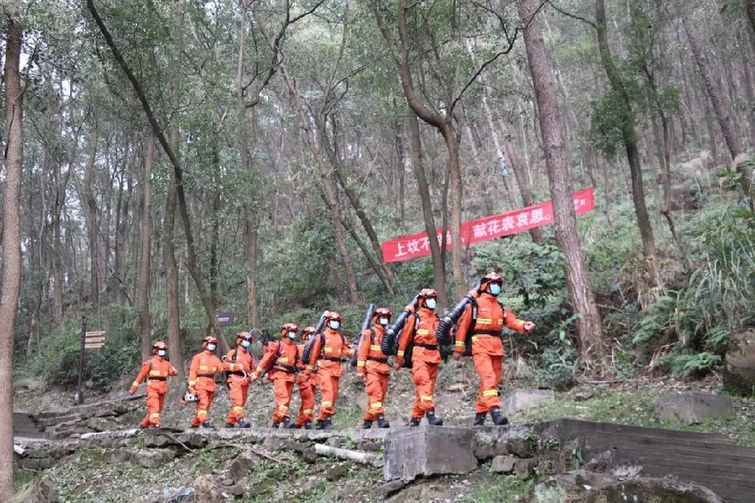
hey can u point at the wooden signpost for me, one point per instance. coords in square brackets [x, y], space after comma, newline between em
[89, 340]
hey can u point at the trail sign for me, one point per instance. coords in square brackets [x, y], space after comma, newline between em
[225, 319]
[94, 339]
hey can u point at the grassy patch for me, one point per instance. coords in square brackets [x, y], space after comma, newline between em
[636, 408]
[501, 488]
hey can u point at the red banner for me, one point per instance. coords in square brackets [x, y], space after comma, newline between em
[483, 229]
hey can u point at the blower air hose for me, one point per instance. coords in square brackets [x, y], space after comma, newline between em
[365, 325]
[443, 332]
[388, 345]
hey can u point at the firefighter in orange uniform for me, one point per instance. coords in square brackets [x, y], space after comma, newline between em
[204, 367]
[327, 354]
[283, 360]
[307, 382]
[372, 366]
[238, 364]
[156, 370]
[487, 345]
[419, 330]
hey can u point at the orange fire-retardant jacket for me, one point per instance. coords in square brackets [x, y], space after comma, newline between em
[491, 318]
[328, 351]
[202, 371]
[156, 370]
[369, 355]
[283, 360]
[423, 335]
[244, 362]
[305, 377]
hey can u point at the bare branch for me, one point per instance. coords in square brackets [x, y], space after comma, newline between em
[573, 16]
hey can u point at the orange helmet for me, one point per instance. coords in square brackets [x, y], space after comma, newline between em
[243, 336]
[158, 346]
[289, 327]
[333, 316]
[382, 312]
[491, 278]
[427, 293]
[209, 340]
[307, 332]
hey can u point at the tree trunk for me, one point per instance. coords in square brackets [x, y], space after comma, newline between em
[750, 7]
[252, 238]
[418, 168]
[11, 252]
[145, 321]
[92, 219]
[589, 331]
[706, 72]
[629, 136]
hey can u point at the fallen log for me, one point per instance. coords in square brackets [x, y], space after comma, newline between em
[365, 458]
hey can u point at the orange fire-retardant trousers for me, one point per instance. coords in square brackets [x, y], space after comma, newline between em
[155, 401]
[376, 387]
[489, 369]
[238, 393]
[307, 397]
[424, 376]
[282, 389]
[329, 392]
[203, 407]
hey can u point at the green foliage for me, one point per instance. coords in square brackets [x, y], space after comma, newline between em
[608, 118]
[689, 364]
[57, 358]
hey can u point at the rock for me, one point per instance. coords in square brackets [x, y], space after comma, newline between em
[147, 458]
[310, 484]
[693, 407]
[30, 383]
[584, 393]
[590, 487]
[523, 399]
[242, 465]
[38, 491]
[236, 490]
[334, 442]
[368, 445]
[337, 472]
[525, 468]
[739, 364]
[207, 490]
[391, 487]
[274, 443]
[457, 387]
[492, 441]
[429, 450]
[174, 495]
[503, 464]
[523, 447]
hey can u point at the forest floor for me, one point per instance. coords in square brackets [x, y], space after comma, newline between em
[105, 475]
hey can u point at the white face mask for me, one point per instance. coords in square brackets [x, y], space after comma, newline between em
[161, 352]
[430, 303]
[211, 347]
[292, 336]
[335, 325]
[383, 322]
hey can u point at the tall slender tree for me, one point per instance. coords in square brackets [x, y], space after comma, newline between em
[11, 278]
[589, 331]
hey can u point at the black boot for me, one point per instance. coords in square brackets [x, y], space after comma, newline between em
[275, 424]
[286, 422]
[243, 424]
[327, 424]
[366, 425]
[479, 418]
[382, 423]
[320, 424]
[207, 424]
[230, 425]
[307, 425]
[498, 418]
[433, 420]
[294, 426]
[414, 421]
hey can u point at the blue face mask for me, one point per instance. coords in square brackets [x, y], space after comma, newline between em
[161, 352]
[431, 303]
[211, 347]
[494, 289]
[245, 344]
[335, 325]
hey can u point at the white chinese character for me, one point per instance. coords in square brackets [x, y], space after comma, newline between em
[522, 219]
[425, 243]
[479, 231]
[537, 216]
[400, 252]
[494, 227]
[413, 246]
[507, 224]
